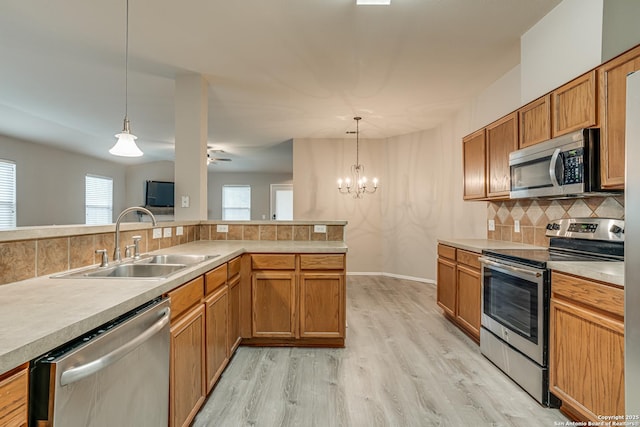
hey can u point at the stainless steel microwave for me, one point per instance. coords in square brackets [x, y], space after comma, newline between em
[566, 166]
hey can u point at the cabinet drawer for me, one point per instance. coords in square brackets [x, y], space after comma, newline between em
[234, 267]
[186, 296]
[215, 278]
[14, 389]
[446, 251]
[599, 296]
[468, 258]
[273, 262]
[322, 262]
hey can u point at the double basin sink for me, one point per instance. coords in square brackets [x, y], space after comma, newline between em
[150, 267]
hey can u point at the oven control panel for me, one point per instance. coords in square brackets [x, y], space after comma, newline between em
[607, 229]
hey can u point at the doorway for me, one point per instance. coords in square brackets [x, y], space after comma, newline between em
[281, 202]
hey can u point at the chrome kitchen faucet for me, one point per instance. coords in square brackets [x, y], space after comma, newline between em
[116, 252]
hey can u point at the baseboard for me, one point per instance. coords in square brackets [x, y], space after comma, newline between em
[395, 276]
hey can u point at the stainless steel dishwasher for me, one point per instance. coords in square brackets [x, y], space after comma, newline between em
[115, 375]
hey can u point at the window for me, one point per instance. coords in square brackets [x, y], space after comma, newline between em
[98, 200]
[7, 194]
[236, 202]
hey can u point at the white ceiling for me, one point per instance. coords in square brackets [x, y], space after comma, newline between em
[277, 69]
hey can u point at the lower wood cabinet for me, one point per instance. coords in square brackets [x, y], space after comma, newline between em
[321, 305]
[234, 334]
[187, 388]
[217, 334]
[274, 304]
[459, 288]
[586, 347]
[14, 397]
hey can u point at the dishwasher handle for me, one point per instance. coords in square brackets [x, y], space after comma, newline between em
[509, 267]
[80, 372]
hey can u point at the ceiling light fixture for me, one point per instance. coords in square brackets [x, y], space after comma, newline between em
[357, 174]
[373, 2]
[126, 144]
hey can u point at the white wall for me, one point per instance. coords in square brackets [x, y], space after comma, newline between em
[51, 183]
[260, 191]
[620, 27]
[564, 44]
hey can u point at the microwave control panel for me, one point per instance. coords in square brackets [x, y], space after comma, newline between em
[573, 166]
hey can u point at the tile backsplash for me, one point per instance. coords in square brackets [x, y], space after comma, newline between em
[535, 214]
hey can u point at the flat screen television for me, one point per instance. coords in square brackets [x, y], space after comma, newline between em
[159, 194]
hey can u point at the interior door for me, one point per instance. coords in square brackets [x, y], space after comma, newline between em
[282, 202]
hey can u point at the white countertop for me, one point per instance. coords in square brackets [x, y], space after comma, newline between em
[42, 313]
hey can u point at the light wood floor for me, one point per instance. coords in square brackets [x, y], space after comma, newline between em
[404, 365]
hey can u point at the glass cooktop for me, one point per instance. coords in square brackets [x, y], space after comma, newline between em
[540, 257]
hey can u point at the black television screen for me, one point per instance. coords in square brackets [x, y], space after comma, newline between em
[159, 194]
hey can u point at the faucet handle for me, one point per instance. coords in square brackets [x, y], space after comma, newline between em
[105, 258]
[136, 245]
[127, 250]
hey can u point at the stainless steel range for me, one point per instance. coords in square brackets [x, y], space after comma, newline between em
[516, 292]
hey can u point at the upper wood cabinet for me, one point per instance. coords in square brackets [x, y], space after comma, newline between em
[474, 163]
[574, 105]
[502, 139]
[535, 122]
[612, 96]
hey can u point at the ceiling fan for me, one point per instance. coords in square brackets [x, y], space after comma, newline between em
[213, 156]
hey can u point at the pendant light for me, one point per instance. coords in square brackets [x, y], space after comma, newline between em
[126, 144]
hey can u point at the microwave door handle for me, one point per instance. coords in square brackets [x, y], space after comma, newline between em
[552, 167]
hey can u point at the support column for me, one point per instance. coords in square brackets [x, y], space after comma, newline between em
[191, 112]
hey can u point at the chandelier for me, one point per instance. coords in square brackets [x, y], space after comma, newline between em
[357, 184]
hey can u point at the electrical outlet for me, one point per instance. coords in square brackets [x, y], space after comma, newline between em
[492, 225]
[222, 228]
[516, 226]
[166, 232]
[157, 233]
[179, 231]
[319, 228]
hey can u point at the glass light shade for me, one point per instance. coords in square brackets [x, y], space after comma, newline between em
[126, 146]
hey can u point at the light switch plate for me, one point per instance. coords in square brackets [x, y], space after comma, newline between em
[157, 233]
[516, 225]
[222, 228]
[179, 231]
[319, 228]
[185, 201]
[166, 232]
[492, 225]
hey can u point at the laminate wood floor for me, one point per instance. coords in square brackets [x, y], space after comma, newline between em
[403, 365]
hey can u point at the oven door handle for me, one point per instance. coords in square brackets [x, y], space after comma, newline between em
[509, 267]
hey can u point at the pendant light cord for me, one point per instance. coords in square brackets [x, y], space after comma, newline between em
[126, 64]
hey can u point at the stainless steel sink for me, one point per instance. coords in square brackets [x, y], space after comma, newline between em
[137, 270]
[176, 259]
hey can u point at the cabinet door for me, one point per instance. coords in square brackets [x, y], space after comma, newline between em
[187, 371]
[446, 292]
[274, 304]
[502, 139]
[474, 161]
[535, 122]
[468, 299]
[574, 105]
[612, 78]
[217, 338]
[14, 392]
[322, 305]
[586, 363]
[234, 315]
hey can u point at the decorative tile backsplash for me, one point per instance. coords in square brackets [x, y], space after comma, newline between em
[535, 214]
[298, 232]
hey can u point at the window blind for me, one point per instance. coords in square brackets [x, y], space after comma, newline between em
[7, 194]
[98, 200]
[236, 202]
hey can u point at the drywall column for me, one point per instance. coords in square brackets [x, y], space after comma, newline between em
[191, 109]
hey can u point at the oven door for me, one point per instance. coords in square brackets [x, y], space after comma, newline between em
[513, 306]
